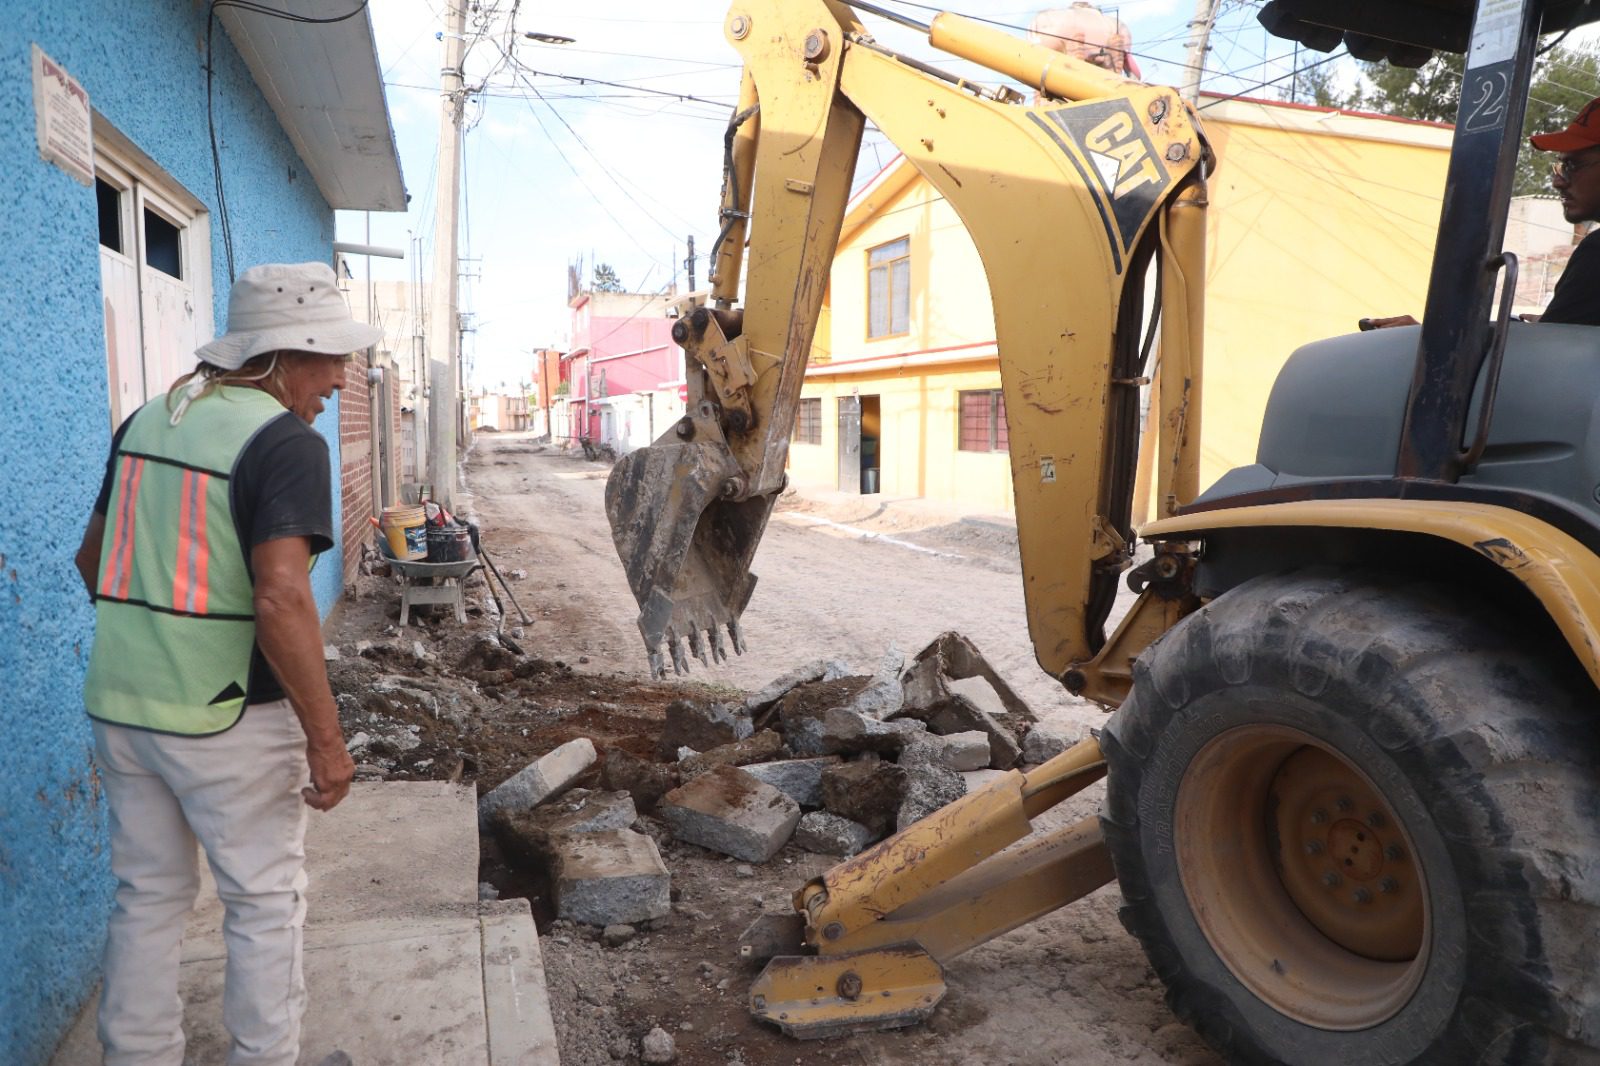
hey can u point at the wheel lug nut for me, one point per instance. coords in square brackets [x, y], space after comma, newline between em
[1376, 820]
[1313, 847]
[1388, 885]
[1331, 879]
[1319, 816]
[1393, 853]
[1345, 803]
[1361, 895]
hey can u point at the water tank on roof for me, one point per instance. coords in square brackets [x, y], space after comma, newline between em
[1085, 32]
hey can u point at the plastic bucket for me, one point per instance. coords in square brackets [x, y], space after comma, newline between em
[449, 544]
[406, 529]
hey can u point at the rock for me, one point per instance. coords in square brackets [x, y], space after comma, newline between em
[800, 779]
[727, 810]
[964, 710]
[330, 653]
[657, 1047]
[1045, 742]
[973, 780]
[687, 752]
[772, 934]
[954, 689]
[487, 891]
[526, 835]
[359, 741]
[868, 791]
[418, 650]
[613, 936]
[701, 727]
[821, 670]
[645, 781]
[614, 877]
[755, 748]
[927, 789]
[831, 834]
[548, 776]
[846, 731]
[958, 751]
[801, 711]
[744, 870]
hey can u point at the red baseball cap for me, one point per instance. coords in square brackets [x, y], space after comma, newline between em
[1584, 132]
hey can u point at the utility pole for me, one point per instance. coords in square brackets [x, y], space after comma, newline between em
[689, 262]
[1205, 16]
[443, 341]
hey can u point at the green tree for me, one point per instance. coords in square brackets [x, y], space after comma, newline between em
[1564, 79]
[605, 279]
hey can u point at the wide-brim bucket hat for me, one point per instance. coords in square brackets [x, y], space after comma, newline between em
[294, 307]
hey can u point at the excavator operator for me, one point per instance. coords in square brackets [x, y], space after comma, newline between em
[1576, 180]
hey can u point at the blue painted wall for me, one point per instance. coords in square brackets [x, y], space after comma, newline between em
[141, 62]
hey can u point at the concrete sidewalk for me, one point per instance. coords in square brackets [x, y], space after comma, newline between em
[403, 964]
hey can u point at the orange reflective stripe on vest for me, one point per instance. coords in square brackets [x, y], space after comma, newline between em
[119, 567]
[189, 586]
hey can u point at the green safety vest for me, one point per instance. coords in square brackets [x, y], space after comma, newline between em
[174, 606]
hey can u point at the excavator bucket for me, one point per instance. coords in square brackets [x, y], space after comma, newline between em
[686, 548]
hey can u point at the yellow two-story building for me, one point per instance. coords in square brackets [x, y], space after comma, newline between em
[1318, 218]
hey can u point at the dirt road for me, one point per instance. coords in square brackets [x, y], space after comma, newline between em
[1071, 988]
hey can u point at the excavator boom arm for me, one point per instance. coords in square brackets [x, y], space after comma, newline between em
[1066, 199]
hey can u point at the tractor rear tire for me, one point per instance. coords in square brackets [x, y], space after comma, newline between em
[1356, 819]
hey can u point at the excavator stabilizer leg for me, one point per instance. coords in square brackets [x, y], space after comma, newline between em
[686, 548]
[821, 996]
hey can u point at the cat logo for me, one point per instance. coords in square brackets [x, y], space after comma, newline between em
[1123, 169]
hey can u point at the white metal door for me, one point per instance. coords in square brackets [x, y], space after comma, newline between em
[166, 300]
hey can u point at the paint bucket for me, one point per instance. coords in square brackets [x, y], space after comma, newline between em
[449, 544]
[405, 528]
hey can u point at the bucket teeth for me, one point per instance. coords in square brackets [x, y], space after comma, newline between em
[736, 632]
[718, 651]
[658, 665]
[697, 646]
[680, 661]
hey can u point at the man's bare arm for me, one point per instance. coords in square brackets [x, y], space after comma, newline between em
[88, 558]
[290, 635]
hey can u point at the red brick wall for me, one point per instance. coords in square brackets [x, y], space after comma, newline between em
[355, 463]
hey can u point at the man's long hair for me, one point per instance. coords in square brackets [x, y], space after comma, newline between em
[265, 371]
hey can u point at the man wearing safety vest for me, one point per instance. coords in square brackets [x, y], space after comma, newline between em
[213, 718]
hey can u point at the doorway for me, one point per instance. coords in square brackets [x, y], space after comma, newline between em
[871, 436]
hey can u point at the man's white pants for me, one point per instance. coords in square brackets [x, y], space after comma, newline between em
[239, 793]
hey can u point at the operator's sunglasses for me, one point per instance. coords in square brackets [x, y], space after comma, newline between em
[1565, 168]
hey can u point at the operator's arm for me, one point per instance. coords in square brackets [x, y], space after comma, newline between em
[290, 636]
[88, 558]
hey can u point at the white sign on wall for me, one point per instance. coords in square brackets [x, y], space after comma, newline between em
[61, 118]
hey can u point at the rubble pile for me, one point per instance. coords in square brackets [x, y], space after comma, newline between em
[827, 761]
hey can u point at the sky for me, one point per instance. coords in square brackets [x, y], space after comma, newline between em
[556, 170]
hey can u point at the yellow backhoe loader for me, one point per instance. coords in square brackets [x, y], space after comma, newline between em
[1353, 770]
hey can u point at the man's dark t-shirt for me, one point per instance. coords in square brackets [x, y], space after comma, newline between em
[281, 487]
[1577, 296]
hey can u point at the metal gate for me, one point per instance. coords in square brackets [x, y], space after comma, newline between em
[849, 444]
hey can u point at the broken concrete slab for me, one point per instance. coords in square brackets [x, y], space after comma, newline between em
[958, 751]
[801, 711]
[960, 713]
[801, 779]
[773, 934]
[1044, 742]
[952, 657]
[526, 836]
[758, 747]
[614, 877]
[881, 698]
[976, 779]
[701, 727]
[846, 731]
[827, 833]
[928, 788]
[867, 791]
[729, 811]
[645, 781]
[547, 776]
[820, 670]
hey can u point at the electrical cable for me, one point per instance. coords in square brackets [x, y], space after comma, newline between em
[223, 222]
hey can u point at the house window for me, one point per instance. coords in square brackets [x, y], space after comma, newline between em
[983, 421]
[808, 422]
[889, 289]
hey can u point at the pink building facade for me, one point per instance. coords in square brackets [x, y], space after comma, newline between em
[624, 369]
